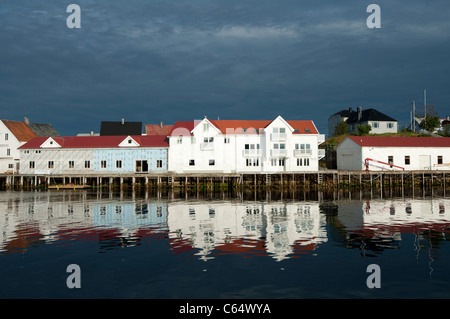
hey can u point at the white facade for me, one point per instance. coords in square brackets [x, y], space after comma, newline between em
[378, 127]
[57, 161]
[9, 155]
[353, 156]
[274, 148]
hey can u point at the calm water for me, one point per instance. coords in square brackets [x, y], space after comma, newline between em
[219, 246]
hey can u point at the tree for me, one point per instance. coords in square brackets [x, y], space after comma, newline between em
[341, 128]
[363, 129]
[430, 122]
[447, 130]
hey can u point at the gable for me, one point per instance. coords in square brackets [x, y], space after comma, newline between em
[279, 122]
[205, 126]
[129, 142]
[50, 143]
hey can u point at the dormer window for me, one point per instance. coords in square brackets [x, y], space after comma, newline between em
[307, 130]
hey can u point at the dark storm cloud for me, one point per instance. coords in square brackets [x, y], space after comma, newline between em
[176, 60]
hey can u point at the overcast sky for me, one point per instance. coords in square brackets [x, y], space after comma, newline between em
[154, 61]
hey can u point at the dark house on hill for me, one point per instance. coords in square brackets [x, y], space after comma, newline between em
[380, 122]
[120, 128]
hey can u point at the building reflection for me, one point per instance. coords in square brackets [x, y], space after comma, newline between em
[206, 229]
[277, 229]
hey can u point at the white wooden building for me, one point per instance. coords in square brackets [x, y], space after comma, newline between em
[241, 146]
[381, 153]
[14, 134]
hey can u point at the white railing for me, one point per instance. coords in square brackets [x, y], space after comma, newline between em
[321, 153]
[278, 137]
[207, 146]
[254, 152]
[298, 153]
[278, 153]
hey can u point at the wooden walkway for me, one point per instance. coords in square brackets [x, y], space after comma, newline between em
[322, 179]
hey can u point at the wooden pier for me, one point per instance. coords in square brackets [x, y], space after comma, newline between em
[323, 179]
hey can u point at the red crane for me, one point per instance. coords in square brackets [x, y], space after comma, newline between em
[366, 162]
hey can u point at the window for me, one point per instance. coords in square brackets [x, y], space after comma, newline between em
[8, 152]
[439, 160]
[226, 140]
[6, 136]
[102, 164]
[51, 142]
[390, 125]
[281, 162]
[159, 163]
[31, 164]
[391, 160]
[51, 164]
[273, 162]
[87, 164]
[376, 124]
[191, 162]
[119, 164]
[282, 130]
[303, 161]
[10, 165]
[205, 127]
[180, 140]
[71, 164]
[211, 162]
[296, 130]
[129, 141]
[208, 139]
[252, 162]
[192, 140]
[407, 160]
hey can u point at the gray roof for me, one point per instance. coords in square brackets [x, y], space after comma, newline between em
[43, 129]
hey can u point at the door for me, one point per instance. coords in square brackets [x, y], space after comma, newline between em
[424, 161]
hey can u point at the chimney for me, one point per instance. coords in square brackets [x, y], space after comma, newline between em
[92, 133]
[161, 124]
[350, 110]
[27, 121]
[359, 113]
[447, 118]
[123, 121]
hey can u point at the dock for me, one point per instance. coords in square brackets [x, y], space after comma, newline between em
[323, 179]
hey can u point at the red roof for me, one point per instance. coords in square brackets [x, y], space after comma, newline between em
[99, 141]
[238, 126]
[183, 128]
[156, 129]
[21, 130]
[401, 141]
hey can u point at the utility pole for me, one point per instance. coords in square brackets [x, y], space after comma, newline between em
[413, 126]
[424, 103]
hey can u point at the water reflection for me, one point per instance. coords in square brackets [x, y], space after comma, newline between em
[208, 228]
